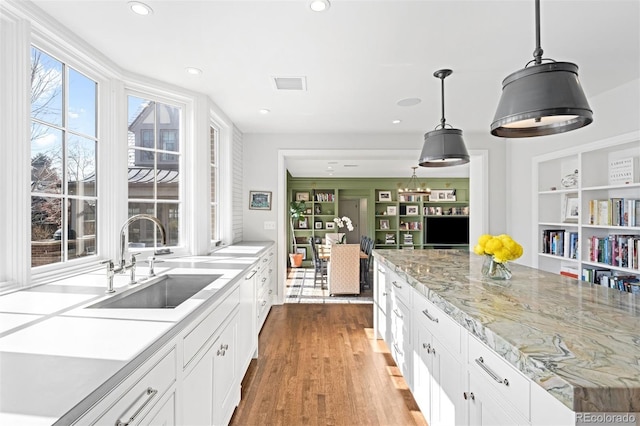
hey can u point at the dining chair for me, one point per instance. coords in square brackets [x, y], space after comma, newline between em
[319, 265]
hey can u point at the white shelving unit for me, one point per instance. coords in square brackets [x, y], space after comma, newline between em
[550, 204]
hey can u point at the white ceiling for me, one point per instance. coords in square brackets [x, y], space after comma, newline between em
[360, 57]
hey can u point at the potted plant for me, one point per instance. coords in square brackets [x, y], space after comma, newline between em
[296, 213]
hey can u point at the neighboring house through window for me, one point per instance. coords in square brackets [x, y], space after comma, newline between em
[154, 169]
[63, 161]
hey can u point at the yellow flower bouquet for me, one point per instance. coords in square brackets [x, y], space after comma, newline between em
[498, 250]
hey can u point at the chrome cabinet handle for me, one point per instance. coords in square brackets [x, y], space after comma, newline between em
[265, 260]
[427, 346]
[398, 314]
[469, 395]
[493, 375]
[252, 274]
[264, 302]
[151, 393]
[270, 291]
[395, 284]
[264, 279]
[431, 317]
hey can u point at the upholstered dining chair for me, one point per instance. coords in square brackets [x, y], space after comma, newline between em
[344, 269]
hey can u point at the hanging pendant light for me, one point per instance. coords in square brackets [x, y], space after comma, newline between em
[543, 99]
[414, 187]
[443, 147]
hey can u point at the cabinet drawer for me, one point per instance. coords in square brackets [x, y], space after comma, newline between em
[144, 394]
[400, 289]
[198, 336]
[511, 385]
[441, 325]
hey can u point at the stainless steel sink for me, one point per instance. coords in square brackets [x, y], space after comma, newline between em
[164, 292]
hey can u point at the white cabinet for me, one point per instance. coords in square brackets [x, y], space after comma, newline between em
[380, 301]
[439, 367]
[210, 392]
[136, 400]
[399, 342]
[247, 318]
[265, 287]
[583, 208]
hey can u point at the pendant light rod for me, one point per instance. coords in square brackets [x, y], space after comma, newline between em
[537, 54]
[442, 74]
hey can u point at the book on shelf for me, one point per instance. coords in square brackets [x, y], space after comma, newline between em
[407, 238]
[325, 197]
[390, 239]
[615, 250]
[615, 212]
[569, 271]
[560, 242]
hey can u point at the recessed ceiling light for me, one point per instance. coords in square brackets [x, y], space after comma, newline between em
[193, 70]
[409, 101]
[140, 8]
[396, 121]
[265, 111]
[319, 5]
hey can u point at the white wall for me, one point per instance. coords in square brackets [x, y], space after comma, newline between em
[614, 113]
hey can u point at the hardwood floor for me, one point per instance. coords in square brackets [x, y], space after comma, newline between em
[320, 365]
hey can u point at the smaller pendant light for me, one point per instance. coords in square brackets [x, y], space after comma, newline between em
[543, 99]
[443, 147]
[414, 187]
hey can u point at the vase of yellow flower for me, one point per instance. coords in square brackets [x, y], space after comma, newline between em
[497, 251]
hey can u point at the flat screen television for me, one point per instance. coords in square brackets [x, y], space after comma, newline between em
[447, 230]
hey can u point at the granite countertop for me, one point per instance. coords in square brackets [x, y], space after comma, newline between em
[57, 358]
[579, 341]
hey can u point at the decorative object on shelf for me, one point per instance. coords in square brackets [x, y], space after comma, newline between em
[384, 224]
[308, 211]
[318, 209]
[623, 171]
[498, 250]
[296, 213]
[443, 195]
[570, 180]
[302, 251]
[259, 200]
[302, 196]
[384, 196]
[343, 222]
[570, 208]
[414, 187]
[317, 224]
[543, 99]
[412, 211]
[330, 225]
[443, 147]
[391, 210]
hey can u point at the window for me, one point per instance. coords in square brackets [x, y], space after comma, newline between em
[154, 169]
[63, 161]
[213, 164]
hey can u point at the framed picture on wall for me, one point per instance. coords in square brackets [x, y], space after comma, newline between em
[302, 196]
[303, 252]
[259, 200]
[330, 225]
[303, 223]
[570, 208]
[384, 224]
[392, 211]
[412, 210]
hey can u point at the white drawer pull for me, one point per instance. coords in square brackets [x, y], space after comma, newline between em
[493, 375]
[431, 317]
[395, 284]
[151, 393]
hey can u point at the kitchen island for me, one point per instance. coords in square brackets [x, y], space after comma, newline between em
[62, 361]
[578, 341]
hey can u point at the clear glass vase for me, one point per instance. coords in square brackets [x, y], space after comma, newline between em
[495, 270]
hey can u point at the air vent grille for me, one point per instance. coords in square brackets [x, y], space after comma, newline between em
[290, 83]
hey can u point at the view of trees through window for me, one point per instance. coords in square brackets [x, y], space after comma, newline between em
[154, 169]
[63, 161]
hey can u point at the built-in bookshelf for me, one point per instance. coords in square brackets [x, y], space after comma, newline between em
[588, 212]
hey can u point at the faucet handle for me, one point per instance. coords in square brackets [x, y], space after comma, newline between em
[109, 264]
[133, 257]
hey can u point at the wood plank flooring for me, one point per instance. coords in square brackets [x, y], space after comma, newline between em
[320, 365]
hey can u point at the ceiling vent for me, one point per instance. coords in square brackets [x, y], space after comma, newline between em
[290, 83]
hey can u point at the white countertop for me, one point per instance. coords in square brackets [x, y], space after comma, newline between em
[54, 352]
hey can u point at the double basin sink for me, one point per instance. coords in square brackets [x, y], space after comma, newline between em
[163, 292]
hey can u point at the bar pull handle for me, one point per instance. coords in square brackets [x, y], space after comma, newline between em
[493, 375]
[150, 392]
[395, 284]
[431, 317]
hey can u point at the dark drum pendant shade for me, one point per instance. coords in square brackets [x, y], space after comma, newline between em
[543, 99]
[443, 147]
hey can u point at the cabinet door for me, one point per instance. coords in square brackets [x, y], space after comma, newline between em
[447, 387]
[484, 408]
[197, 393]
[422, 367]
[380, 294]
[248, 318]
[226, 388]
[165, 415]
